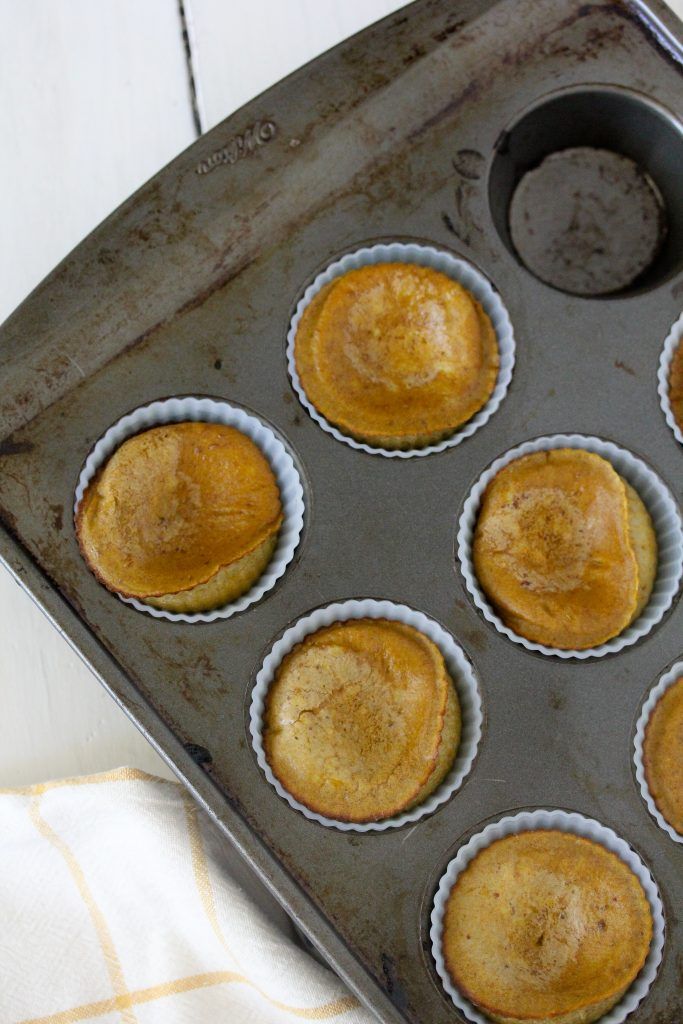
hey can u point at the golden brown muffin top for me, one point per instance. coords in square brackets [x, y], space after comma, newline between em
[396, 350]
[663, 754]
[174, 505]
[543, 923]
[354, 718]
[552, 548]
[676, 385]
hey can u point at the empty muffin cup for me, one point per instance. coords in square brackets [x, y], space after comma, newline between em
[208, 410]
[456, 664]
[587, 221]
[584, 190]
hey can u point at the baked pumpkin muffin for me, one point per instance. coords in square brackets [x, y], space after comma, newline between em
[546, 927]
[663, 755]
[184, 517]
[564, 548]
[362, 720]
[676, 385]
[396, 355]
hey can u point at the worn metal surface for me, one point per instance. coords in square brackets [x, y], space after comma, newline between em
[189, 287]
[587, 221]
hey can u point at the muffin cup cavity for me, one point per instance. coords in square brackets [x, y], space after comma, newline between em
[673, 339]
[578, 825]
[659, 503]
[208, 410]
[458, 667]
[667, 680]
[459, 270]
[592, 118]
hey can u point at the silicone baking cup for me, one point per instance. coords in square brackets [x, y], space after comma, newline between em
[457, 269]
[565, 822]
[673, 340]
[665, 517]
[208, 410]
[459, 669]
[667, 680]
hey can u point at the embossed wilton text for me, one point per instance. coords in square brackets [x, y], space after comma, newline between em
[240, 146]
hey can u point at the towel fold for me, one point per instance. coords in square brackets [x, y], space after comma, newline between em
[120, 903]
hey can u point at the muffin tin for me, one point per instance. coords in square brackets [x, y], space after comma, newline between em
[409, 132]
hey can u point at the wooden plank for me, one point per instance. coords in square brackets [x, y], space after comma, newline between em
[56, 720]
[95, 101]
[241, 49]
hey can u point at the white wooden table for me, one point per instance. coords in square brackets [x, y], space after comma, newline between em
[95, 99]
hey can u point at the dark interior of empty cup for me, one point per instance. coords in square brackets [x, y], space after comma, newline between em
[585, 191]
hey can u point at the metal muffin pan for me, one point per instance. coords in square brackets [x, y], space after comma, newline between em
[399, 133]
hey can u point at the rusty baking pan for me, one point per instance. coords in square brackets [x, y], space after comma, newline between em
[420, 128]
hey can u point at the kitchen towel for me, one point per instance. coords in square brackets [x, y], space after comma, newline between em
[118, 905]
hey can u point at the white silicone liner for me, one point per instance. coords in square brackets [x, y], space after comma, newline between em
[208, 410]
[660, 504]
[673, 339]
[667, 680]
[459, 669]
[457, 269]
[565, 822]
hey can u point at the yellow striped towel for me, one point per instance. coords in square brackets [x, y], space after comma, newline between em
[120, 905]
